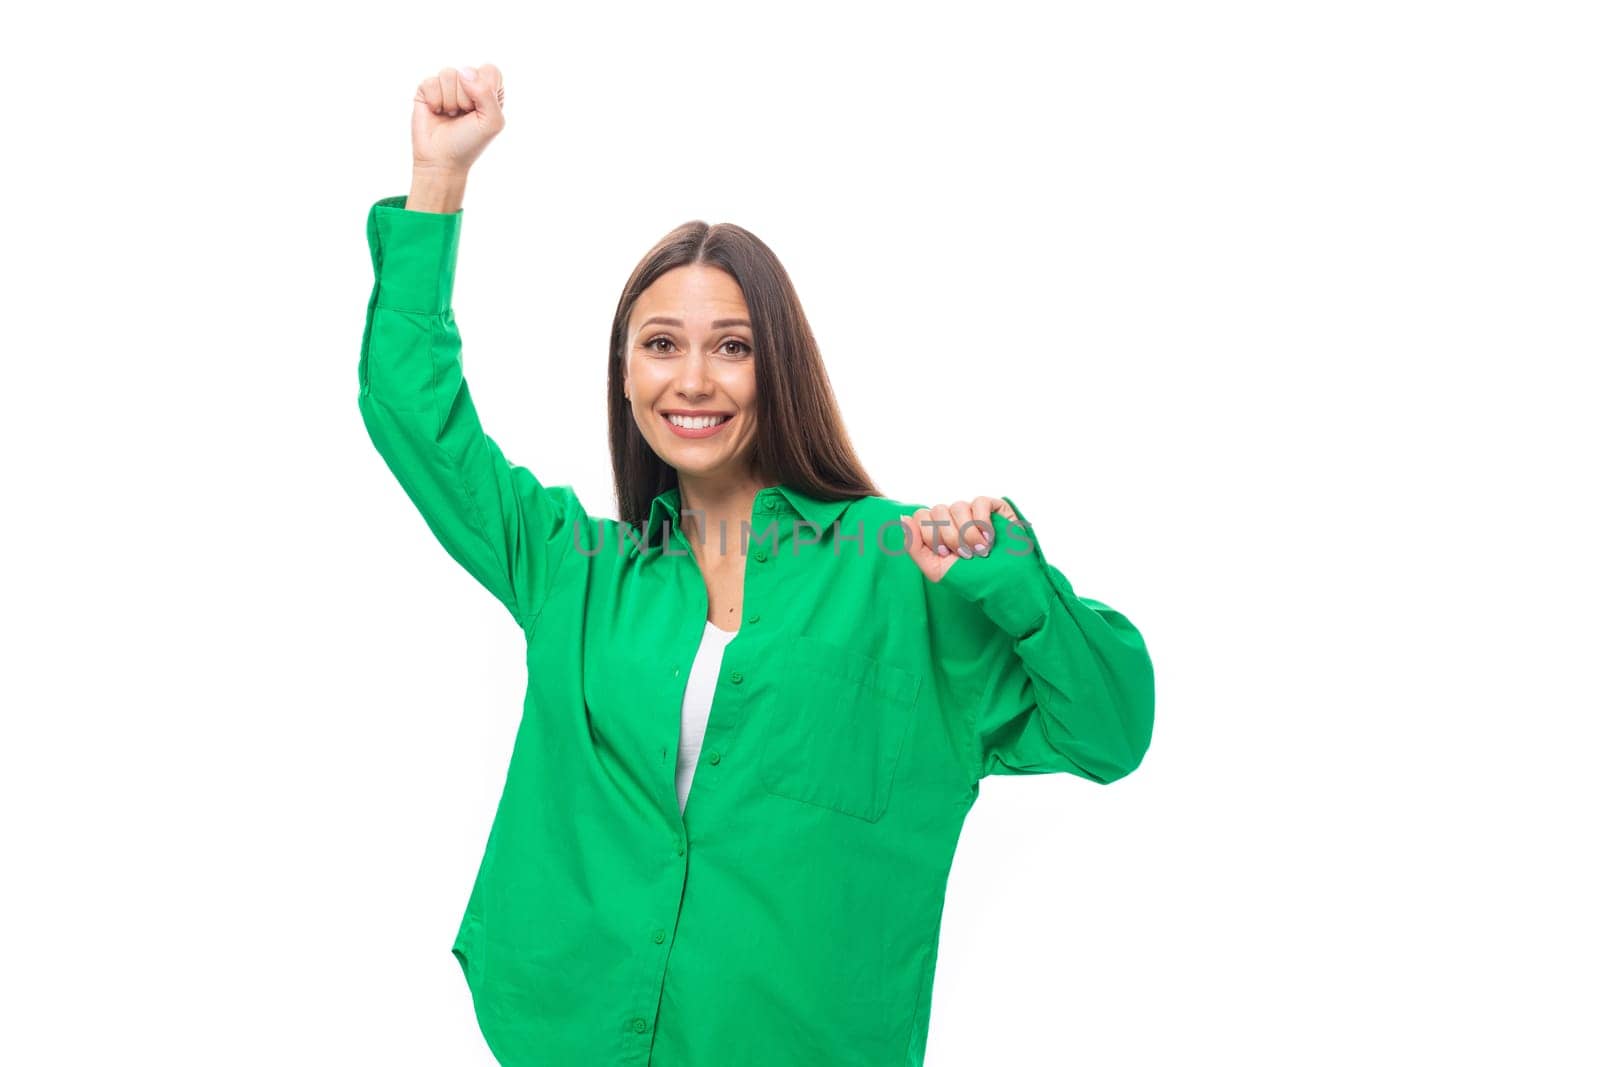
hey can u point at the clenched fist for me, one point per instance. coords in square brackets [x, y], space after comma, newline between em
[937, 537]
[455, 116]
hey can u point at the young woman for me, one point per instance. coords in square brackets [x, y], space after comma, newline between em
[833, 670]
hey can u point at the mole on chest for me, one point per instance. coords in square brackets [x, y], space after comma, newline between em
[725, 596]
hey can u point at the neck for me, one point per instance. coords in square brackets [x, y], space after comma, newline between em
[714, 505]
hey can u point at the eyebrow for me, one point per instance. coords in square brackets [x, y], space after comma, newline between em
[715, 325]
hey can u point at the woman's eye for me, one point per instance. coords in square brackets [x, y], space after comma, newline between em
[744, 349]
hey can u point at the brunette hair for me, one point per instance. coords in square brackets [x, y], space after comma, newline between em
[800, 439]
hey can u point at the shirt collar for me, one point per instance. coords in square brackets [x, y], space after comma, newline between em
[819, 513]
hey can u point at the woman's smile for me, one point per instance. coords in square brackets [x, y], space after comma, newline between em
[695, 426]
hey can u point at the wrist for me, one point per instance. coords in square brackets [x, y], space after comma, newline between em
[437, 190]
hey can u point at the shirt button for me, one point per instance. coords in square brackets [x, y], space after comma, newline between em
[736, 677]
[659, 936]
[679, 847]
[716, 757]
[754, 618]
[640, 1024]
[761, 555]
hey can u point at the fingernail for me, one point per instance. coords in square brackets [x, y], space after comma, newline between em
[982, 548]
[966, 553]
[944, 550]
[468, 73]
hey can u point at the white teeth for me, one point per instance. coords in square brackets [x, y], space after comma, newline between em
[699, 422]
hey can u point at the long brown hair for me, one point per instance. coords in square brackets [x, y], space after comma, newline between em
[800, 439]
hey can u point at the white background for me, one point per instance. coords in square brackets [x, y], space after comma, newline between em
[1278, 319]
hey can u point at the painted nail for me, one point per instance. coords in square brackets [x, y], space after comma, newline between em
[944, 550]
[982, 548]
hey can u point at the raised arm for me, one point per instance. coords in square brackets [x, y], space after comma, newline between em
[505, 527]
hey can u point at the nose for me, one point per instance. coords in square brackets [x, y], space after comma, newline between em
[693, 381]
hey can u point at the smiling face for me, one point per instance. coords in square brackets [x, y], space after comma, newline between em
[690, 373]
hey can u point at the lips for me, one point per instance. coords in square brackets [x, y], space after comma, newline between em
[697, 432]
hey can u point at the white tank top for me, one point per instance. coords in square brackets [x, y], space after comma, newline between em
[697, 704]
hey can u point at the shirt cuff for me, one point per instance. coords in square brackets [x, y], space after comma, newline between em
[413, 255]
[1011, 584]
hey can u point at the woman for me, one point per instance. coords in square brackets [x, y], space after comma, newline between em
[833, 670]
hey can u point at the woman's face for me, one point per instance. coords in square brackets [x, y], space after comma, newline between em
[691, 354]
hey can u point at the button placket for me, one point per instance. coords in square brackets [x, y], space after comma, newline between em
[755, 583]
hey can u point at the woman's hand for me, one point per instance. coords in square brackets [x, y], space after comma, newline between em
[454, 118]
[938, 536]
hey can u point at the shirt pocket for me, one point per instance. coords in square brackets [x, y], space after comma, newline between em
[835, 735]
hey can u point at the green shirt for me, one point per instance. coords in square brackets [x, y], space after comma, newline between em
[790, 914]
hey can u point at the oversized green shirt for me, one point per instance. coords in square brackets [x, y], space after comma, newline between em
[790, 914]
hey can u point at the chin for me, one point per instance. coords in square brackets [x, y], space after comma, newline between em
[700, 467]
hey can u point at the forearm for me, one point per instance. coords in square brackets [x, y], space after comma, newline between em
[1071, 687]
[436, 190]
